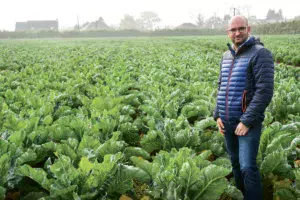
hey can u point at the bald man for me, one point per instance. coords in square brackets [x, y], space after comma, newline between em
[246, 84]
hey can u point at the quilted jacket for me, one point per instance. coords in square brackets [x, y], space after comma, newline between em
[246, 83]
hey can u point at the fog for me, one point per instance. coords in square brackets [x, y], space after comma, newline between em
[171, 12]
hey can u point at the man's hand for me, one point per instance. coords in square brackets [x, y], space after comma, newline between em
[221, 126]
[241, 129]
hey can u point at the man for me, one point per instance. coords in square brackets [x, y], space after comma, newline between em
[246, 84]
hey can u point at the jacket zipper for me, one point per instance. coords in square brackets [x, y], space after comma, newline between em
[244, 101]
[229, 77]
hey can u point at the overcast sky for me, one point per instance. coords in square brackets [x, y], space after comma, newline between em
[171, 12]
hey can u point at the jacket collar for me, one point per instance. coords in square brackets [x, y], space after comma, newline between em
[249, 42]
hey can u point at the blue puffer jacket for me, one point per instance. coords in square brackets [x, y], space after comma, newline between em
[246, 83]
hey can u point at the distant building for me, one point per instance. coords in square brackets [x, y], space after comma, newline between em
[187, 26]
[37, 25]
[96, 25]
[21, 26]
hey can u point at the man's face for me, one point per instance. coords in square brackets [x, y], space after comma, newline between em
[238, 31]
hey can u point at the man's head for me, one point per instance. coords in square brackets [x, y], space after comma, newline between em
[238, 30]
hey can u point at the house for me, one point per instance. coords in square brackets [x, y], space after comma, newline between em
[186, 26]
[96, 25]
[21, 26]
[37, 25]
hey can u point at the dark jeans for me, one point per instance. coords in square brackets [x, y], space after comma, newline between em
[242, 151]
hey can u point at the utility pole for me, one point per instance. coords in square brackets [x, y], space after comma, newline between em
[234, 9]
[78, 22]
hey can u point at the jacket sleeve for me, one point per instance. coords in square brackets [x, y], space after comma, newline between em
[263, 78]
[216, 110]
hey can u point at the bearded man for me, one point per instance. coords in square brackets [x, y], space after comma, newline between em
[246, 85]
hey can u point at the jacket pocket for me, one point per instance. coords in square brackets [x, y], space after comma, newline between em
[244, 105]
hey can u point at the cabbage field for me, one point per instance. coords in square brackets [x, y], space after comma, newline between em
[131, 118]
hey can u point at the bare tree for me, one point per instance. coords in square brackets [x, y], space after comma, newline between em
[147, 20]
[200, 20]
[214, 21]
[245, 10]
[252, 20]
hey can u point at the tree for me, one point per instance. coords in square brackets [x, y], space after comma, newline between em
[128, 23]
[273, 16]
[297, 17]
[200, 20]
[100, 24]
[214, 21]
[226, 20]
[147, 20]
[252, 20]
[279, 15]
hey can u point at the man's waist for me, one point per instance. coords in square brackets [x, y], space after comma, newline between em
[230, 120]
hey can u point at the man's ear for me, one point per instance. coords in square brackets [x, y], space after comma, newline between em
[249, 29]
[228, 35]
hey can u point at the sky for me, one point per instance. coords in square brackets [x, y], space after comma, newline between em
[171, 12]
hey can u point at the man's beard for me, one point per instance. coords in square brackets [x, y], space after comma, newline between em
[240, 41]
